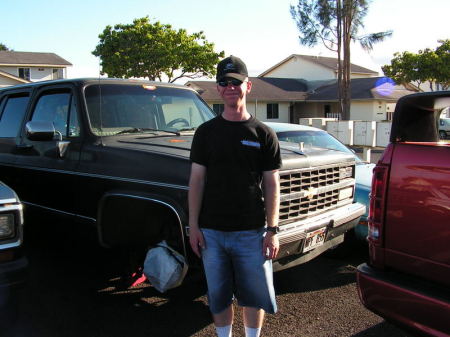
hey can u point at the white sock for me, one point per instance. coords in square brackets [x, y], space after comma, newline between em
[224, 331]
[252, 332]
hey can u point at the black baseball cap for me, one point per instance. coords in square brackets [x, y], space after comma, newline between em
[233, 67]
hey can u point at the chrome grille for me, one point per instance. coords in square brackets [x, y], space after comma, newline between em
[308, 192]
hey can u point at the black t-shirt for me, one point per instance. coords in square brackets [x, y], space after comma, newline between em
[235, 154]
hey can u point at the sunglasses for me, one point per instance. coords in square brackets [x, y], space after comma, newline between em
[234, 82]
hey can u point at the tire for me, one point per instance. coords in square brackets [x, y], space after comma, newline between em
[442, 134]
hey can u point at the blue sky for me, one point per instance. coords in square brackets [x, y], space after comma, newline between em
[261, 32]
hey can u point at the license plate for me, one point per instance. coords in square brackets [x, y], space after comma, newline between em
[314, 239]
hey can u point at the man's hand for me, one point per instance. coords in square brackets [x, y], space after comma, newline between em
[196, 240]
[271, 245]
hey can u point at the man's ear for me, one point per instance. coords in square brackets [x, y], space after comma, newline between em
[249, 86]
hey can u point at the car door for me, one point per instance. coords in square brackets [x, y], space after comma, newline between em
[48, 167]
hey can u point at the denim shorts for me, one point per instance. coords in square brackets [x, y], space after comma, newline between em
[236, 267]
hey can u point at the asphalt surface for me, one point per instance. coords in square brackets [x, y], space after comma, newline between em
[73, 290]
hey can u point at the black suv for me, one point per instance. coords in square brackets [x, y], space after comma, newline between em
[115, 153]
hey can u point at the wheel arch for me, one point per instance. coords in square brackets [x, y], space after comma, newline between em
[118, 219]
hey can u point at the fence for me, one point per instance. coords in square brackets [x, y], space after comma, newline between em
[354, 133]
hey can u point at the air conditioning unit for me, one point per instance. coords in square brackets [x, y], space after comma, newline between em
[383, 133]
[342, 130]
[365, 133]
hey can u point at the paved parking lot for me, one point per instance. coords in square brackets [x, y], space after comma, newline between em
[72, 291]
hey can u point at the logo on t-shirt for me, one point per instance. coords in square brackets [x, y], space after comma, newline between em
[250, 143]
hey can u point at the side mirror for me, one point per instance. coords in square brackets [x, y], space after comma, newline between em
[40, 130]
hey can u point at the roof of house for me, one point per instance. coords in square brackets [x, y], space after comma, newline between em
[31, 59]
[264, 89]
[328, 62]
[362, 89]
[291, 90]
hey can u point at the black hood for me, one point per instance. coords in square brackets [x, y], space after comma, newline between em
[292, 155]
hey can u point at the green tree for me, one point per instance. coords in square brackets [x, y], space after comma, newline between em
[403, 68]
[3, 47]
[432, 66]
[336, 23]
[155, 51]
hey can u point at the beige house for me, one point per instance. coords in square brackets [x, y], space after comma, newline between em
[25, 67]
[271, 99]
[303, 86]
[313, 68]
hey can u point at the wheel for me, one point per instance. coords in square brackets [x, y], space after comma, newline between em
[178, 120]
[442, 134]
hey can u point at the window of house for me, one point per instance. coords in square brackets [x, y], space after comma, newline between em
[57, 74]
[328, 113]
[24, 73]
[60, 109]
[272, 110]
[218, 108]
[12, 115]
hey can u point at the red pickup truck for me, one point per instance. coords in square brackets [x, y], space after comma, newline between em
[407, 277]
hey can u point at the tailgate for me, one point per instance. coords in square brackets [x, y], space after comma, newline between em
[417, 238]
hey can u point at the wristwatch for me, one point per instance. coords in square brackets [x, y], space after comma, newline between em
[273, 229]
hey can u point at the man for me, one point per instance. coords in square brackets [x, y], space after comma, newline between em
[231, 155]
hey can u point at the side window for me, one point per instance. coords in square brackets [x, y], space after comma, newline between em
[272, 110]
[12, 115]
[24, 73]
[58, 108]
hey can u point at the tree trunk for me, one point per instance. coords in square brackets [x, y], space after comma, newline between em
[347, 19]
[339, 53]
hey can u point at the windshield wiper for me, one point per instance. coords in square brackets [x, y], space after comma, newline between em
[187, 129]
[141, 130]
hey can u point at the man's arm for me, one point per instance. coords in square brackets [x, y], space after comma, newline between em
[271, 181]
[195, 197]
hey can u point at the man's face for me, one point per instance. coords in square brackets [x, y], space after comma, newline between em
[233, 91]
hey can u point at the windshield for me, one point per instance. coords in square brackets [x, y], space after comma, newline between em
[315, 138]
[121, 108]
[444, 122]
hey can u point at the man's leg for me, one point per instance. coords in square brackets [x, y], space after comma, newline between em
[253, 279]
[225, 317]
[223, 322]
[219, 277]
[253, 320]
[253, 317]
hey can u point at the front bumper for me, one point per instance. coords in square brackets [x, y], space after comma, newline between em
[415, 304]
[292, 236]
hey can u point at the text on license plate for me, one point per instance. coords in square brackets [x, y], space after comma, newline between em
[314, 239]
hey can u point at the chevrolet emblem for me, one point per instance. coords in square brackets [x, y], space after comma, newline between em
[310, 193]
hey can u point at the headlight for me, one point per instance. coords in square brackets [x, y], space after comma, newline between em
[346, 172]
[6, 226]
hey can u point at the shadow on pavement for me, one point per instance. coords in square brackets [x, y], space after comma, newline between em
[323, 272]
[71, 291]
[384, 329]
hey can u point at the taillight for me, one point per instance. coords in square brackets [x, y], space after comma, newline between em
[377, 203]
